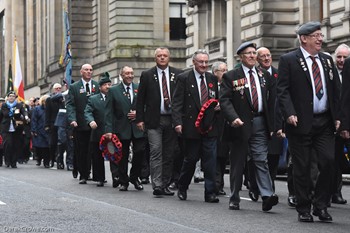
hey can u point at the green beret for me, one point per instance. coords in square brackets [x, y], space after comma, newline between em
[104, 78]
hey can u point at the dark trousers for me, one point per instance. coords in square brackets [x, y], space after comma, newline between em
[339, 164]
[319, 142]
[138, 148]
[53, 143]
[221, 161]
[12, 146]
[145, 172]
[195, 149]
[273, 160]
[43, 153]
[82, 156]
[178, 160]
[98, 165]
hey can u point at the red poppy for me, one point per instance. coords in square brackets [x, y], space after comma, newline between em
[93, 90]
[275, 75]
[210, 85]
[135, 90]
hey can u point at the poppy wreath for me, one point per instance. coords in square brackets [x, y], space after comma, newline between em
[117, 154]
[201, 113]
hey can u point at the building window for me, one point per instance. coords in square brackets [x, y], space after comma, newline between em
[2, 52]
[177, 20]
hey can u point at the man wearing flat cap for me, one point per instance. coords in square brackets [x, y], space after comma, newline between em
[120, 120]
[94, 114]
[244, 100]
[308, 94]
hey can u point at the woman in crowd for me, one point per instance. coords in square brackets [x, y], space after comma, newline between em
[40, 137]
[12, 118]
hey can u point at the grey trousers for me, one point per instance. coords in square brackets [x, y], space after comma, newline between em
[256, 149]
[161, 141]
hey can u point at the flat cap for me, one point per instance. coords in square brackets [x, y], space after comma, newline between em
[104, 78]
[244, 46]
[309, 28]
[2, 99]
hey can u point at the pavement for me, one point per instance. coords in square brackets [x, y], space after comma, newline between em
[35, 199]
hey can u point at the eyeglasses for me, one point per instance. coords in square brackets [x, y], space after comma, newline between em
[86, 69]
[317, 35]
[223, 70]
[202, 62]
[250, 53]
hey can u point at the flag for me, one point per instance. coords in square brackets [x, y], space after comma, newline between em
[9, 80]
[18, 79]
[66, 55]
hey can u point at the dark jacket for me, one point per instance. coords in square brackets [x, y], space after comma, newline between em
[40, 135]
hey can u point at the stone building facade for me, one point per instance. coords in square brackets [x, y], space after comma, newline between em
[111, 33]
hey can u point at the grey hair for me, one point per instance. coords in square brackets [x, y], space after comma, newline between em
[216, 66]
[340, 47]
[199, 51]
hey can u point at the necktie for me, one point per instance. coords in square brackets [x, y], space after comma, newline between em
[165, 92]
[128, 93]
[317, 78]
[87, 89]
[254, 92]
[204, 91]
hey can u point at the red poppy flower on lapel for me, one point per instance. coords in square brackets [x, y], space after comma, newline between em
[210, 85]
[135, 91]
[275, 75]
[93, 90]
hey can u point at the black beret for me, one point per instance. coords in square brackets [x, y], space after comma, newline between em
[104, 78]
[309, 28]
[245, 45]
[11, 93]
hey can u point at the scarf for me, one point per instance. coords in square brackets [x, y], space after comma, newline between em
[10, 106]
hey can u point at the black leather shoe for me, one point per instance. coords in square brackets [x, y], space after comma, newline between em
[233, 206]
[268, 202]
[115, 182]
[221, 192]
[323, 215]
[60, 166]
[182, 195]
[173, 186]
[82, 181]
[123, 187]
[198, 179]
[253, 196]
[167, 192]
[74, 173]
[158, 191]
[292, 201]
[38, 163]
[70, 168]
[137, 185]
[100, 184]
[48, 166]
[211, 198]
[144, 181]
[337, 199]
[14, 166]
[305, 217]
[52, 163]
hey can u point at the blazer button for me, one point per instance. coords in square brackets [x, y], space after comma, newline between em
[190, 117]
[189, 106]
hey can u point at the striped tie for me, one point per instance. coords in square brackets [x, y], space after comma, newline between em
[253, 91]
[317, 78]
[204, 91]
[165, 92]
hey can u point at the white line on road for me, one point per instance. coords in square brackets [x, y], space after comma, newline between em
[2, 203]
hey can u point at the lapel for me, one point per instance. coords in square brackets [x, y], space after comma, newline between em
[262, 83]
[327, 68]
[302, 62]
[172, 80]
[156, 79]
[246, 90]
[125, 97]
[194, 89]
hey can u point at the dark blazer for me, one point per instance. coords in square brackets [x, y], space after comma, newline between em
[76, 103]
[149, 97]
[41, 138]
[5, 119]
[117, 108]
[95, 111]
[236, 102]
[186, 103]
[345, 96]
[295, 92]
[51, 110]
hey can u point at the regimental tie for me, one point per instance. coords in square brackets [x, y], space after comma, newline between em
[204, 91]
[87, 89]
[254, 91]
[128, 93]
[165, 92]
[317, 78]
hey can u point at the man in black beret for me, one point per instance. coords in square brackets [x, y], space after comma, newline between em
[244, 103]
[308, 93]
